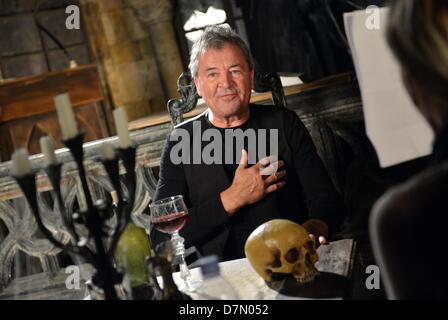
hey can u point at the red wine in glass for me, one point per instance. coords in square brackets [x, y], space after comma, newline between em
[170, 223]
[169, 215]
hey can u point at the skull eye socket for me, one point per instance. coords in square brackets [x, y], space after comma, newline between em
[292, 255]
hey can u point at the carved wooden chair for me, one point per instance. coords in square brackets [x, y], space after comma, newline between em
[186, 87]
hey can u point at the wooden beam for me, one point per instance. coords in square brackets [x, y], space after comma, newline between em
[31, 96]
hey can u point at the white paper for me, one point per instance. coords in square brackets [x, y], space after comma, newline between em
[250, 286]
[394, 126]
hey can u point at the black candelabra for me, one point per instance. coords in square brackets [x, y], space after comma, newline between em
[99, 244]
[93, 217]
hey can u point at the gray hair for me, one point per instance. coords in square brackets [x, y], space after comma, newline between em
[417, 32]
[215, 37]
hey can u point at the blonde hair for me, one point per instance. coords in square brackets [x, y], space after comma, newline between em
[417, 32]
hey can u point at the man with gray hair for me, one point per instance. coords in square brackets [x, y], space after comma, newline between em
[227, 200]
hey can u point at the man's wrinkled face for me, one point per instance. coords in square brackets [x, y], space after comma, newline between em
[224, 80]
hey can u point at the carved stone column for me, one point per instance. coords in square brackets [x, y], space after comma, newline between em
[123, 49]
[157, 18]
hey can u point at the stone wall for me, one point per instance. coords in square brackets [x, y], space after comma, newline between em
[139, 57]
[132, 42]
[25, 50]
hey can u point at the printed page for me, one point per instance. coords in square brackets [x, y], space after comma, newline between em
[395, 127]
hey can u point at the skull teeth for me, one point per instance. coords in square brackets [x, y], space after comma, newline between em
[307, 277]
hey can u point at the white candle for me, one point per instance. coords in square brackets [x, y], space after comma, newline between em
[107, 151]
[47, 148]
[121, 123]
[114, 196]
[21, 165]
[66, 116]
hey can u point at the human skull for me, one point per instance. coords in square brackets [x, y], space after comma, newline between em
[282, 246]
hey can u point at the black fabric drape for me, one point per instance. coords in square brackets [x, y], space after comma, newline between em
[299, 36]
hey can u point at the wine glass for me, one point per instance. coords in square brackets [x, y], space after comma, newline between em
[169, 215]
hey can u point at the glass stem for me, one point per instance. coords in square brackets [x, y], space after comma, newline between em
[184, 272]
[179, 251]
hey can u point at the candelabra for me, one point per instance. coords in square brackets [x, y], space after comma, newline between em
[94, 217]
[107, 277]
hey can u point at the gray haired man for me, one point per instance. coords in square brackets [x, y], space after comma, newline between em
[227, 201]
